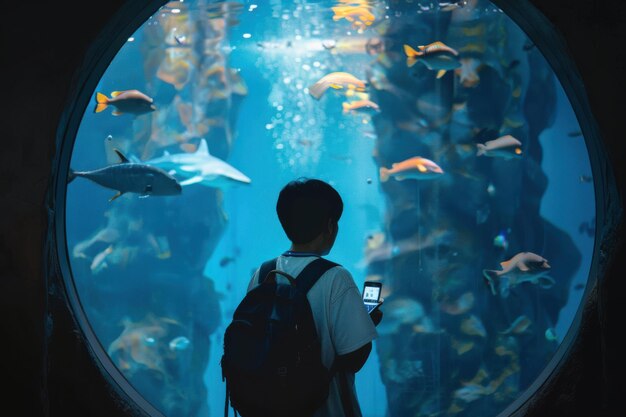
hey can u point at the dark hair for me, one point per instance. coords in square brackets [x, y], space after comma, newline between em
[304, 207]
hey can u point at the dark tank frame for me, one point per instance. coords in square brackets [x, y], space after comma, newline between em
[63, 310]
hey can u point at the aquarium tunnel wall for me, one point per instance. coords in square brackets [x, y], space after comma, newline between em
[463, 164]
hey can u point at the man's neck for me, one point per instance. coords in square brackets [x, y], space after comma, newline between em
[312, 247]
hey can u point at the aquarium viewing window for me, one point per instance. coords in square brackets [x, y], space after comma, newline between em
[464, 160]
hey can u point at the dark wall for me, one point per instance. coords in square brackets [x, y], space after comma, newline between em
[43, 45]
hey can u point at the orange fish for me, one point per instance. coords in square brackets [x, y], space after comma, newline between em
[506, 147]
[360, 105]
[416, 168]
[128, 101]
[337, 81]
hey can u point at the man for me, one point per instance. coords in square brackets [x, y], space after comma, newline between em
[309, 212]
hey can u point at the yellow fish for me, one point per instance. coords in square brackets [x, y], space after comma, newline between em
[336, 81]
[416, 168]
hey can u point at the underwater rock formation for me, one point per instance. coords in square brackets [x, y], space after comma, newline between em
[472, 352]
[141, 274]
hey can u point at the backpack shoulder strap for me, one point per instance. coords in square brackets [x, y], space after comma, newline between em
[312, 272]
[266, 267]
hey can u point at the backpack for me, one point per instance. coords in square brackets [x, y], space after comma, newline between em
[272, 360]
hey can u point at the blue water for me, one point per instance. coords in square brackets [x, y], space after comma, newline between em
[177, 266]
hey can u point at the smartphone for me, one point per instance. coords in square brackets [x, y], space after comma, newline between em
[371, 295]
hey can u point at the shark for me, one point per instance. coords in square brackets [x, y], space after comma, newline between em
[200, 167]
[131, 177]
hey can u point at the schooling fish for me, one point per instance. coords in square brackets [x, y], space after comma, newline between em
[360, 106]
[128, 101]
[506, 147]
[437, 56]
[416, 168]
[127, 176]
[337, 81]
[523, 267]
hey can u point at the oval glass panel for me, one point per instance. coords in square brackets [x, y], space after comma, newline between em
[464, 173]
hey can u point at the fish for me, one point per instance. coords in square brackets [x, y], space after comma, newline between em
[468, 72]
[437, 56]
[179, 343]
[137, 348]
[519, 325]
[588, 228]
[226, 260]
[131, 177]
[448, 6]
[575, 134]
[99, 261]
[127, 101]
[360, 106]
[462, 347]
[471, 392]
[459, 306]
[523, 267]
[402, 311]
[500, 241]
[550, 334]
[506, 147]
[200, 167]
[337, 81]
[472, 326]
[359, 16]
[416, 168]
[175, 71]
[579, 286]
[585, 178]
[161, 246]
[106, 235]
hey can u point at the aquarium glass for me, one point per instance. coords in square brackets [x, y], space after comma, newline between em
[465, 177]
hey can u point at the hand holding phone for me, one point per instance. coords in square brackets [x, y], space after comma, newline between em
[371, 295]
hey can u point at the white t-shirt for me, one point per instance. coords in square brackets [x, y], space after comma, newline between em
[341, 320]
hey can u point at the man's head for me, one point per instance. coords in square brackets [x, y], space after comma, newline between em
[307, 208]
